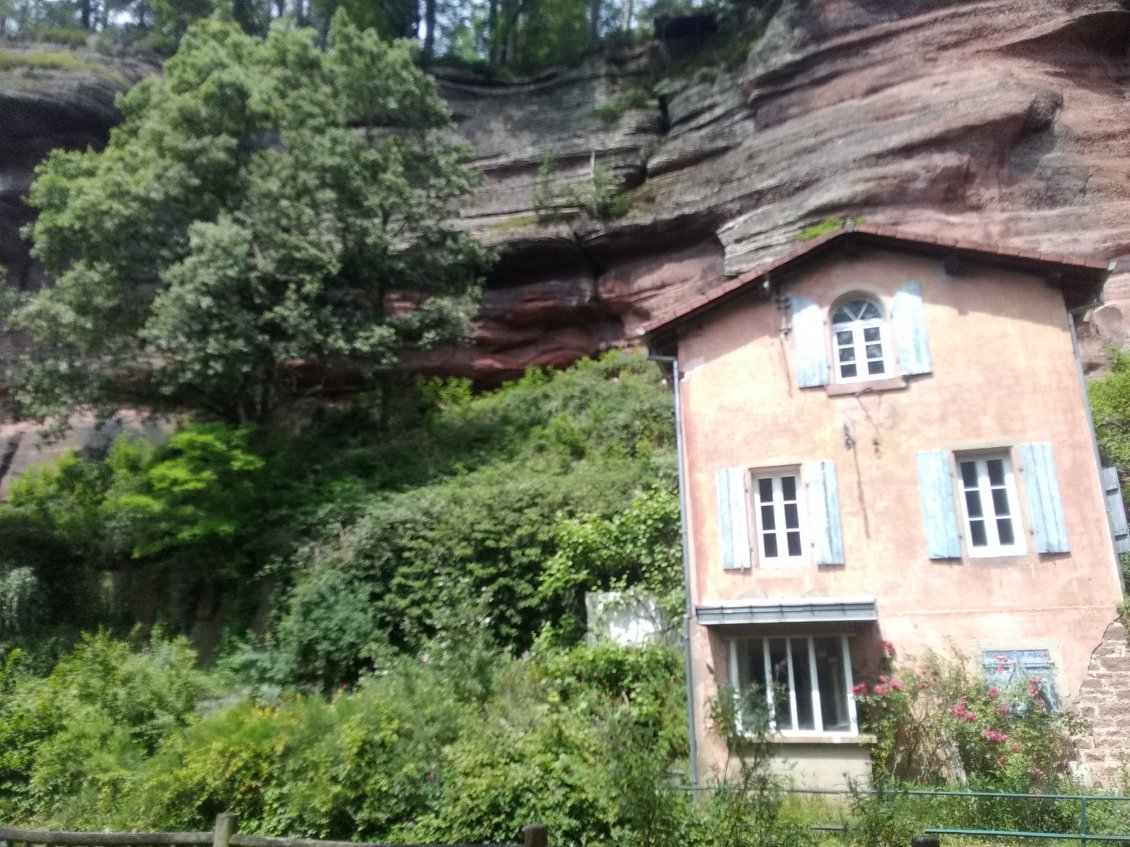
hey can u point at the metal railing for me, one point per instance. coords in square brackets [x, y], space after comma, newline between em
[1080, 835]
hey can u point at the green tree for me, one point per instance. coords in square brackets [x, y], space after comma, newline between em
[1110, 408]
[241, 242]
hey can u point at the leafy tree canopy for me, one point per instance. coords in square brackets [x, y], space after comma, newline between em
[240, 242]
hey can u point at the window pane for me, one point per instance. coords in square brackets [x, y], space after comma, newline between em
[875, 367]
[765, 489]
[874, 351]
[847, 354]
[1004, 531]
[792, 517]
[843, 338]
[977, 533]
[802, 679]
[871, 333]
[996, 471]
[973, 503]
[770, 545]
[847, 370]
[1000, 502]
[788, 487]
[768, 519]
[869, 311]
[842, 315]
[833, 684]
[794, 543]
[969, 474]
[753, 701]
[779, 663]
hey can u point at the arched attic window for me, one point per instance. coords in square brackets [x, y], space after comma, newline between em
[860, 341]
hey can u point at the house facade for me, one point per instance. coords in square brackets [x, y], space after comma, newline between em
[885, 439]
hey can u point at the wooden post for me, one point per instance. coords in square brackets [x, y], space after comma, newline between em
[535, 835]
[226, 823]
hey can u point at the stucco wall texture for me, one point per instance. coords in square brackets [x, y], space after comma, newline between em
[1004, 372]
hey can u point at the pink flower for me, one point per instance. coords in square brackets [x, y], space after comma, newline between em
[1015, 746]
[879, 690]
[971, 717]
[1033, 680]
[888, 649]
[883, 677]
[1000, 760]
[921, 685]
[994, 692]
[859, 688]
[896, 684]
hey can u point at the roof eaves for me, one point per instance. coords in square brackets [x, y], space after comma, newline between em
[1095, 270]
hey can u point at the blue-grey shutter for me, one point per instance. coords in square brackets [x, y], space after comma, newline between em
[822, 497]
[909, 323]
[1012, 671]
[1048, 524]
[733, 518]
[935, 489]
[1115, 510]
[809, 343]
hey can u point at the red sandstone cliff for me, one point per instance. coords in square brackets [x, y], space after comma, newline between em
[994, 120]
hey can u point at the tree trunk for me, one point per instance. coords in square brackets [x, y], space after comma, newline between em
[627, 22]
[594, 22]
[429, 31]
[492, 32]
[86, 13]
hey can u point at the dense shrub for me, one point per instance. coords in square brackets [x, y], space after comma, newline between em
[70, 740]
[938, 724]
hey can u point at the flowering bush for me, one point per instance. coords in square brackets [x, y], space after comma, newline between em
[935, 723]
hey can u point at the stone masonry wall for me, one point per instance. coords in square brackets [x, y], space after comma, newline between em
[1104, 703]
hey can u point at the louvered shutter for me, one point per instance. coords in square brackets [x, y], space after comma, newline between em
[822, 498]
[1042, 484]
[733, 518]
[909, 323]
[1012, 671]
[935, 490]
[1115, 510]
[809, 343]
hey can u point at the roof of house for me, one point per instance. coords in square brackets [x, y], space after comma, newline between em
[1081, 280]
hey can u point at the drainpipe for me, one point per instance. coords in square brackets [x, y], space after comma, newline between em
[1091, 425]
[676, 377]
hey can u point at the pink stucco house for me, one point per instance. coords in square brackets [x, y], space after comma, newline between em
[885, 437]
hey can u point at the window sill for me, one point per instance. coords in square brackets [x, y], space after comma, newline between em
[866, 386]
[823, 738]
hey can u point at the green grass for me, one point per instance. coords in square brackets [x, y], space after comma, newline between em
[636, 97]
[825, 226]
[56, 60]
[517, 222]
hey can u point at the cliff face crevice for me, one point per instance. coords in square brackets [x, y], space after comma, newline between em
[986, 120]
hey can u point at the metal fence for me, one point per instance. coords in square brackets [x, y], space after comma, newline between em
[1083, 833]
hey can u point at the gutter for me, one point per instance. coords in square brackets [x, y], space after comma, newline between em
[692, 745]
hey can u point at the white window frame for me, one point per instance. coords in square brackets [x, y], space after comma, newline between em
[989, 516]
[780, 524]
[793, 643]
[857, 329]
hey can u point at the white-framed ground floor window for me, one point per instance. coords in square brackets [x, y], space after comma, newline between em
[805, 681]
